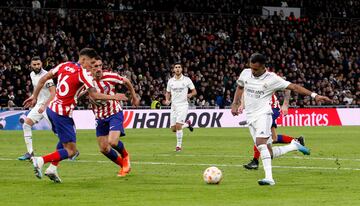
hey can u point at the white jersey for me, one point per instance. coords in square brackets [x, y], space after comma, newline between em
[179, 89]
[258, 92]
[44, 92]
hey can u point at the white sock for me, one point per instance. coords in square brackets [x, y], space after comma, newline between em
[278, 151]
[179, 136]
[52, 167]
[28, 137]
[266, 160]
[185, 125]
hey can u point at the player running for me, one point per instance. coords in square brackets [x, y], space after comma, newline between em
[259, 85]
[109, 116]
[277, 138]
[71, 77]
[37, 113]
[178, 87]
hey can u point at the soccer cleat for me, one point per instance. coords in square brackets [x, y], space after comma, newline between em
[301, 140]
[301, 148]
[126, 167]
[178, 149]
[73, 158]
[191, 128]
[52, 175]
[38, 163]
[252, 165]
[266, 182]
[26, 156]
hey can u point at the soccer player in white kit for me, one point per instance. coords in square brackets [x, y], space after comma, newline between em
[258, 86]
[37, 113]
[177, 88]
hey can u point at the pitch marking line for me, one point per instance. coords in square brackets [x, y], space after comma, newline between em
[206, 164]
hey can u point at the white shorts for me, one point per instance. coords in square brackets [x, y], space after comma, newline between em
[178, 114]
[35, 116]
[261, 127]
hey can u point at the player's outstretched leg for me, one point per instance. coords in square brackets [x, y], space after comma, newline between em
[28, 140]
[293, 146]
[266, 160]
[126, 166]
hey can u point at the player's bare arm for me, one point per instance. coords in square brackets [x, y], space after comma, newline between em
[93, 94]
[237, 100]
[134, 98]
[285, 105]
[31, 101]
[167, 98]
[192, 93]
[301, 90]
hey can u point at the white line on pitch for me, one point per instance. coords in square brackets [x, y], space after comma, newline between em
[207, 164]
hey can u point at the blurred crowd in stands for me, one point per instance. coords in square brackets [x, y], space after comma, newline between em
[322, 54]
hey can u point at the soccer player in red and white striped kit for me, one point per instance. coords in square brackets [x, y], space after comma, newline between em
[109, 116]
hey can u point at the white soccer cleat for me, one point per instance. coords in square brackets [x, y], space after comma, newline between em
[52, 175]
[38, 163]
[266, 182]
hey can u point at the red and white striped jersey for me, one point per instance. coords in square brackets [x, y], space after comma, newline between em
[107, 85]
[71, 78]
[275, 104]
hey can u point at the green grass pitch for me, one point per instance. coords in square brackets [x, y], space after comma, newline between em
[329, 176]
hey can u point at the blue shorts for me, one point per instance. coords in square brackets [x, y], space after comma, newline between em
[112, 123]
[62, 126]
[275, 115]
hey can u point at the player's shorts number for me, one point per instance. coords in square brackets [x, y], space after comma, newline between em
[63, 86]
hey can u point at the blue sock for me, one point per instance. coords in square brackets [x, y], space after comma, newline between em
[112, 155]
[63, 153]
[120, 148]
[279, 138]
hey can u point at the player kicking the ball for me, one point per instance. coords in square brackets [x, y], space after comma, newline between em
[178, 87]
[258, 86]
[71, 77]
[109, 116]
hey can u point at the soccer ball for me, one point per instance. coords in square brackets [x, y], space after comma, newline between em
[212, 175]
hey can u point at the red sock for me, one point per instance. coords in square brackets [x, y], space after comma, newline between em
[124, 153]
[256, 153]
[285, 139]
[119, 161]
[52, 157]
[55, 163]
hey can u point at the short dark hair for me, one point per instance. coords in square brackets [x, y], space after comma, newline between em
[35, 58]
[177, 63]
[98, 58]
[258, 58]
[89, 52]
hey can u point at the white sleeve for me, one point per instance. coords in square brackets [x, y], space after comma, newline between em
[190, 84]
[168, 89]
[241, 80]
[279, 83]
[49, 83]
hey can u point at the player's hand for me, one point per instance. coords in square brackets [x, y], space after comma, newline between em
[167, 102]
[41, 109]
[120, 97]
[135, 101]
[241, 109]
[30, 102]
[320, 99]
[284, 110]
[235, 109]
